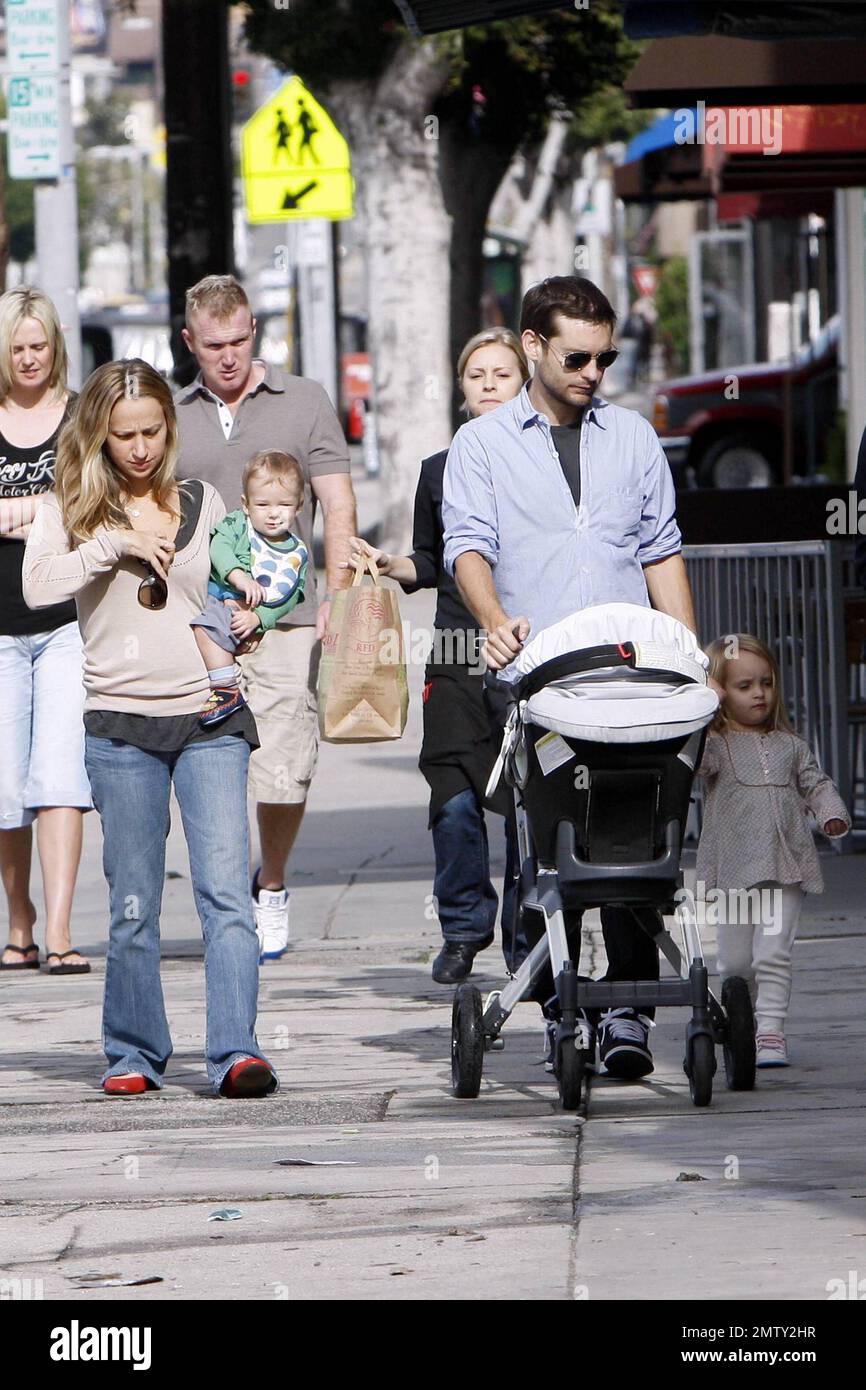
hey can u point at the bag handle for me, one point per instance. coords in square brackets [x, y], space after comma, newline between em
[365, 562]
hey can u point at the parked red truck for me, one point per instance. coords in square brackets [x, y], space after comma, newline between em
[726, 428]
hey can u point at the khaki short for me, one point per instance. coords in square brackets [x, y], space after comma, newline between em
[281, 688]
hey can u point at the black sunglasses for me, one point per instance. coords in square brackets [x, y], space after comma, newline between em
[574, 361]
[153, 591]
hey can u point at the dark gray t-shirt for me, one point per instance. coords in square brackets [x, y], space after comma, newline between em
[566, 440]
[284, 412]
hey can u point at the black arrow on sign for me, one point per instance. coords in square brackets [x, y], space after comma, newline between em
[292, 200]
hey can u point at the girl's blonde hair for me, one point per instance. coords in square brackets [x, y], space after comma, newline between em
[88, 486]
[26, 302]
[721, 651]
[484, 339]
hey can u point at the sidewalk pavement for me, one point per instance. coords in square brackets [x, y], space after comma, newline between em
[423, 1196]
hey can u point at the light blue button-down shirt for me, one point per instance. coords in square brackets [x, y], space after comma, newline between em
[506, 497]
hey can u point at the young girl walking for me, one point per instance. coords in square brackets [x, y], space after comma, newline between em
[760, 780]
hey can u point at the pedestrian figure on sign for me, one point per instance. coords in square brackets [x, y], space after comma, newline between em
[309, 128]
[282, 132]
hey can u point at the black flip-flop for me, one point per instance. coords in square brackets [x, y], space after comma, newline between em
[22, 951]
[66, 969]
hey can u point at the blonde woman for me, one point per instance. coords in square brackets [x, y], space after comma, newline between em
[131, 545]
[761, 779]
[458, 750]
[42, 776]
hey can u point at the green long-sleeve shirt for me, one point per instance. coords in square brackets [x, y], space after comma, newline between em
[280, 566]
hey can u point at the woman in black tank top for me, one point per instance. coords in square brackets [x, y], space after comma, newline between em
[42, 776]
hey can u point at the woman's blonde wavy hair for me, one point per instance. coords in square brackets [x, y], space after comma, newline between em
[724, 649]
[26, 302]
[89, 488]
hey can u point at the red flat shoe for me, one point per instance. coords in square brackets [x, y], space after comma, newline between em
[248, 1077]
[132, 1084]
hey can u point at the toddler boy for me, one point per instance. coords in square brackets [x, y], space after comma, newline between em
[255, 561]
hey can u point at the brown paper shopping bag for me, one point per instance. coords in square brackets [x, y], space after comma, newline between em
[363, 692]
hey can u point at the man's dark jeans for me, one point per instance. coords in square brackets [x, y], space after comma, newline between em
[467, 901]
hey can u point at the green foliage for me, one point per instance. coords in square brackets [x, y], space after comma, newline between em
[605, 117]
[20, 217]
[835, 456]
[104, 121]
[505, 79]
[672, 304]
[345, 40]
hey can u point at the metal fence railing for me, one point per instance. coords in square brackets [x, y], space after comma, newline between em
[790, 594]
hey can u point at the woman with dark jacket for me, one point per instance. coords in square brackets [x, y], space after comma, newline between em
[458, 748]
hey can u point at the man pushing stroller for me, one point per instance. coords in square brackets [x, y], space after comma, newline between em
[559, 501]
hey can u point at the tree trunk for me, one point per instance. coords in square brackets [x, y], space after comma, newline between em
[470, 172]
[407, 236]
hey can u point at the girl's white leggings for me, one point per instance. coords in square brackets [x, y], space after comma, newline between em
[756, 932]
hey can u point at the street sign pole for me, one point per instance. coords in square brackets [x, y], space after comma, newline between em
[42, 147]
[316, 305]
[297, 169]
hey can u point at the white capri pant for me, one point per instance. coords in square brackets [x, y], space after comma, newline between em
[42, 698]
[756, 941]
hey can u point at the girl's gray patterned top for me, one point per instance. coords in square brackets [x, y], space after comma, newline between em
[758, 788]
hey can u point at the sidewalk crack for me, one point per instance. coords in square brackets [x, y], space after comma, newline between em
[350, 883]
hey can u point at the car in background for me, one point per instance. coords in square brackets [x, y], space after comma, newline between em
[109, 335]
[726, 428]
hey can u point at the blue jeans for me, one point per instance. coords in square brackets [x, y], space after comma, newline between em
[131, 791]
[467, 900]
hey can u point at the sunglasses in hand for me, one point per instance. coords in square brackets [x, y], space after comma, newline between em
[153, 591]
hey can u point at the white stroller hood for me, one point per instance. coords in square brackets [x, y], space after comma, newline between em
[610, 706]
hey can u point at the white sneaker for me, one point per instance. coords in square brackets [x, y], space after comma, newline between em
[271, 911]
[772, 1050]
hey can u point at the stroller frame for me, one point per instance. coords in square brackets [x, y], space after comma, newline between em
[653, 884]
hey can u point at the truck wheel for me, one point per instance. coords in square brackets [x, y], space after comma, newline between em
[735, 462]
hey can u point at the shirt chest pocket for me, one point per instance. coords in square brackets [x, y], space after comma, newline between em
[617, 514]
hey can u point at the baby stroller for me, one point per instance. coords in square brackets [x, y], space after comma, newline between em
[606, 727]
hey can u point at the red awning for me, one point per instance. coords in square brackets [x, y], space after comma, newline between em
[785, 149]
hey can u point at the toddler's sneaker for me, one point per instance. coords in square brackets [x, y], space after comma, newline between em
[271, 911]
[222, 701]
[772, 1050]
[623, 1044]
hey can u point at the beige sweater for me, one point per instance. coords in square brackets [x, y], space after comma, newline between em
[136, 660]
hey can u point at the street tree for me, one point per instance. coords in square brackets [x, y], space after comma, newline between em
[433, 124]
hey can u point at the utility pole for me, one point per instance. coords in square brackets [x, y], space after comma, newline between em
[42, 146]
[199, 185]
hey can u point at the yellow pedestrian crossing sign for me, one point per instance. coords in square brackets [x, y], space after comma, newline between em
[294, 160]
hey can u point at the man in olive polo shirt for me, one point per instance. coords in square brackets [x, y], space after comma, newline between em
[235, 407]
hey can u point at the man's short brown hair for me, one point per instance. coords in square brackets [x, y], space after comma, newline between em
[569, 295]
[275, 464]
[219, 295]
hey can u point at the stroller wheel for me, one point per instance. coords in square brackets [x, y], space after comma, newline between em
[467, 1042]
[700, 1065]
[739, 1042]
[569, 1071]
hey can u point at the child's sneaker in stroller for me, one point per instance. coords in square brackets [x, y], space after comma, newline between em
[623, 1044]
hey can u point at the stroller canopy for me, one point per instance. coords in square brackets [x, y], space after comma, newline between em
[661, 695]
